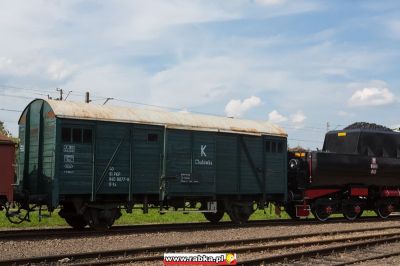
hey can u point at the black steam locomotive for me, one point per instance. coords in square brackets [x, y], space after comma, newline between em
[358, 169]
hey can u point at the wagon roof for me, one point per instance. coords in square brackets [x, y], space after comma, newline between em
[76, 110]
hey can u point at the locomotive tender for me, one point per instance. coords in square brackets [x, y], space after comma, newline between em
[92, 160]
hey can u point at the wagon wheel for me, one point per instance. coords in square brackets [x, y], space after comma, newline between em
[383, 211]
[76, 221]
[240, 212]
[320, 212]
[99, 219]
[350, 213]
[237, 216]
[214, 217]
[290, 209]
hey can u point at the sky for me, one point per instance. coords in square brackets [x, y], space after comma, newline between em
[308, 66]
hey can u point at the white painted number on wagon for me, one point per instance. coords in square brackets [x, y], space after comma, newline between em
[115, 177]
[69, 158]
[69, 148]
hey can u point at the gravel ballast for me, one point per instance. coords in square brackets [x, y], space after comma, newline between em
[30, 248]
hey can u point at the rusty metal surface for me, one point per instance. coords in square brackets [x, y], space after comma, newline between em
[7, 156]
[5, 139]
[75, 110]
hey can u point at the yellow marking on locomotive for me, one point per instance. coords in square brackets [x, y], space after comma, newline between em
[342, 134]
[300, 154]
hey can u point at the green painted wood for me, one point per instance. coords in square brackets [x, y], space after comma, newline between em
[121, 154]
[147, 159]
[23, 149]
[74, 159]
[47, 153]
[227, 164]
[36, 162]
[32, 182]
[276, 179]
[191, 162]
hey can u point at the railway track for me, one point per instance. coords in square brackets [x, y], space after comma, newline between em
[252, 251]
[28, 234]
[384, 255]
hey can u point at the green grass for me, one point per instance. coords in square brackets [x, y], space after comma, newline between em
[137, 217]
[52, 221]
[178, 217]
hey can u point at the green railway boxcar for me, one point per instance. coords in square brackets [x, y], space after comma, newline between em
[93, 160]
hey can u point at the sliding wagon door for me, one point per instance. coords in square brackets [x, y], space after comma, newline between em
[190, 163]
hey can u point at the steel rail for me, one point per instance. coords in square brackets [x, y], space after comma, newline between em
[180, 247]
[293, 256]
[108, 260]
[377, 257]
[179, 227]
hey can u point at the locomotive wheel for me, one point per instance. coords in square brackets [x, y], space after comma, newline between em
[77, 222]
[349, 213]
[290, 209]
[214, 217]
[383, 211]
[319, 211]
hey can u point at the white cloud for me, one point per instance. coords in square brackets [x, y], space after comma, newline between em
[130, 84]
[372, 97]
[394, 28]
[334, 72]
[344, 113]
[298, 119]
[276, 117]
[36, 66]
[270, 2]
[148, 19]
[184, 111]
[205, 80]
[59, 70]
[5, 63]
[236, 108]
[275, 8]
[177, 53]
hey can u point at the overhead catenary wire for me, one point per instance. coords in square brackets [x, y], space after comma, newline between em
[305, 140]
[10, 110]
[21, 88]
[16, 96]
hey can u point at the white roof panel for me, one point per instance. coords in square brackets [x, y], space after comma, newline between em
[76, 110]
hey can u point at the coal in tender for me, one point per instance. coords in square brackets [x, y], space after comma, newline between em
[365, 125]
